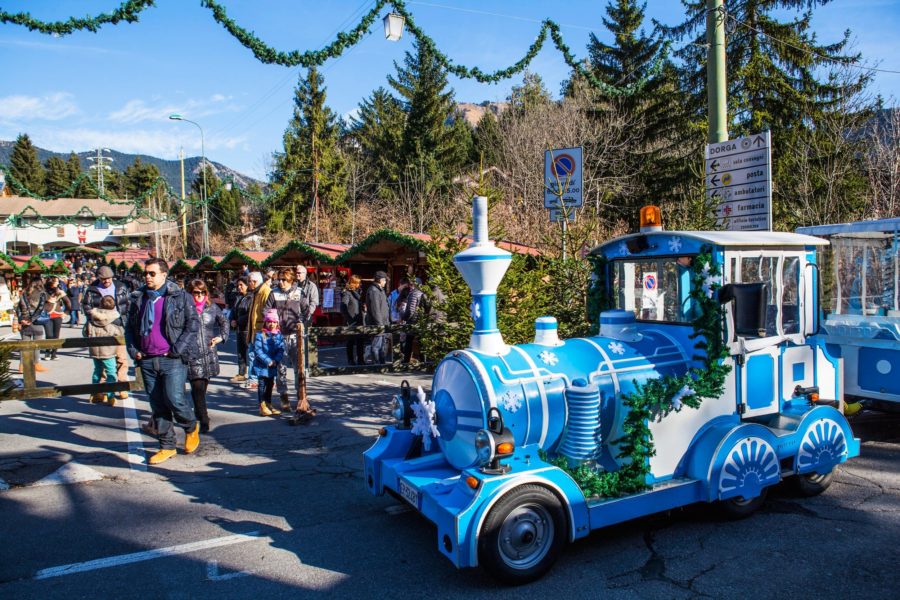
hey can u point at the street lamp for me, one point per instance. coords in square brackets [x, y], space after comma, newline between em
[393, 26]
[178, 117]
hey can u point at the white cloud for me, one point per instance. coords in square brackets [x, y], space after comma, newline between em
[138, 110]
[52, 107]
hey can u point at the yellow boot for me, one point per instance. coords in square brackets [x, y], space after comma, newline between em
[161, 456]
[264, 410]
[192, 439]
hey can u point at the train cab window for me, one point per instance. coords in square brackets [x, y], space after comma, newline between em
[764, 269]
[790, 295]
[656, 289]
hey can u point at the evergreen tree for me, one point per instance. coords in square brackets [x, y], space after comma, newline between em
[434, 139]
[378, 131]
[486, 140]
[139, 178]
[56, 180]
[73, 165]
[310, 170]
[532, 93]
[25, 166]
[658, 125]
[775, 74]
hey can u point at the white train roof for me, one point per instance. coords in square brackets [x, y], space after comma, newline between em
[731, 238]
[879, 226]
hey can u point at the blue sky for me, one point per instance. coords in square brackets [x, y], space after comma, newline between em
[116, 88]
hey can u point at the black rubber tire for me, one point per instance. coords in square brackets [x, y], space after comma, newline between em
[741, 508]
[812, 484]
[529, 520]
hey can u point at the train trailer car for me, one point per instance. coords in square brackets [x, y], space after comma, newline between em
[706, 383]
[863, 312]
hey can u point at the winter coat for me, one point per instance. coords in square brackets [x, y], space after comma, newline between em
[92, 297]
[75, 295]
[267, 348]
[240, 311]
[257, 310]
[29, 309]
[376, 306]
[103, 324]
[57, 302]
[204, 361]
[351, 306]
[291, 307]
[414, 302]
[309, 294]
[181, 323]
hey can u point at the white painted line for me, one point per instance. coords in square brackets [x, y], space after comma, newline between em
[127, 559]
[212, 572]
[69, 473]
[136, 457]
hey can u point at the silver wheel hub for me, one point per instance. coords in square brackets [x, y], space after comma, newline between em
[526, 536]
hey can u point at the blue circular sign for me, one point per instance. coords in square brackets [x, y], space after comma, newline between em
[563, 165]
[650, 282]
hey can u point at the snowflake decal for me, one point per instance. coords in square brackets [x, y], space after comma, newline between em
[709, 280]
[616, 348]
[476, 311]
[549, 358]
[425, 419]
[681, 395]
[511, 401]
[675, 244]
[623, 249]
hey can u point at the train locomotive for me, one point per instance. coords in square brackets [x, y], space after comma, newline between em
[491, 456]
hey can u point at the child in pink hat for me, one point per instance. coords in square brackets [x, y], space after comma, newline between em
[268, 348]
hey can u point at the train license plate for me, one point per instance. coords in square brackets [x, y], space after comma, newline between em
[409, 493]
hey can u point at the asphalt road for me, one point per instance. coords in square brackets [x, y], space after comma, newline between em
[268, 510]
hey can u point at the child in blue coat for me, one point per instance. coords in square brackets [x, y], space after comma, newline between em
[268, 348]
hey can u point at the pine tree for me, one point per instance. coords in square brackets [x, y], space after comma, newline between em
[486, 140]
[378, 130]
[775, 79]
[435, 140]
[25, 166]
[73, 164]
[139, 178]
[657, 123]
[309, 173]
[532, 93]
[56, 180]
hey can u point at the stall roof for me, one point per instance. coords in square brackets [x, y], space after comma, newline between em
[296, 253]
[206, 263]
[853, 229]
[238, 258]
[182, 265]
[382, 245]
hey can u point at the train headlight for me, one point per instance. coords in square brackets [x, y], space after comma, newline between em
[494, 443]
[401, 407]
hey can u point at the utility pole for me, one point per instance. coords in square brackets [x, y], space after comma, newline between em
[716, 80]
[184, 232]
[101, 165]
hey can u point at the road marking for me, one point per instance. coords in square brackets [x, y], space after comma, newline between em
[212, 572]
[69, 473]
[127, 559]
[136, 457]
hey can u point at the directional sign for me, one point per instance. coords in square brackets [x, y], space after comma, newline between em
[562, 177]
[739, 180]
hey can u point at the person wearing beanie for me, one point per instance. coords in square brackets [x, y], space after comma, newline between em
[268, 350]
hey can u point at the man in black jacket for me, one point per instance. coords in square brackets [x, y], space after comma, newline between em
[106, 285]
[160, 333]
[378, 314]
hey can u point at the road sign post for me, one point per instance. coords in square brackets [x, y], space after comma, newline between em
[739, 181]
[563, 186]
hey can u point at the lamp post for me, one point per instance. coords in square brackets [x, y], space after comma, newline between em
[178, 117]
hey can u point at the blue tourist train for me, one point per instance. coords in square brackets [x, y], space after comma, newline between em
[707, 382]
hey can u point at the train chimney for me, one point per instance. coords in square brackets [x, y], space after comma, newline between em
[483, 265]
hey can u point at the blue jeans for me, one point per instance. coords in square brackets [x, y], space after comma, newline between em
[105, 367]
[164, 380]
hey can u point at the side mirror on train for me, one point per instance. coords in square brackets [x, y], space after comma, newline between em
[748, 302]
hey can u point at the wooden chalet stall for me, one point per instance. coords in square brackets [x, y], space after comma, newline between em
[181, 270]
[397, 254]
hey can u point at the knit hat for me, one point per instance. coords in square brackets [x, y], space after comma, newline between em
[270, 316]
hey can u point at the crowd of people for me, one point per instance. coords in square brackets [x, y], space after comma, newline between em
[173, 334]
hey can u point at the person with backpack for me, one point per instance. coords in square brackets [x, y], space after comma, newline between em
[31, 315]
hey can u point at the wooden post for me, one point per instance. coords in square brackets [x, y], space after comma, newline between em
[28, 376]
[302, 400]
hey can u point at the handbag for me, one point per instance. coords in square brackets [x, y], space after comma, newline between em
[42, 318]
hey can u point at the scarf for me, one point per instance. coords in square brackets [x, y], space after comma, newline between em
[149, 312]
[199, 305]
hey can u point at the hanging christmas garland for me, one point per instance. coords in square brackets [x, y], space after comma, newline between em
[128, 11]
[658, 398]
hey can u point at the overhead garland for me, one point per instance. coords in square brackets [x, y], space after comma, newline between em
[129, 10]
[657, 398]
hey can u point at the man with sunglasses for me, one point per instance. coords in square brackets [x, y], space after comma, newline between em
[161, 333]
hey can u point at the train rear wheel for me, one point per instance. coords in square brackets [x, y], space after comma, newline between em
[813, 484]
[740, 507]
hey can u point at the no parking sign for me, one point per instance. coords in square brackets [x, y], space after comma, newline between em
[562, 178]
[650, 282]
